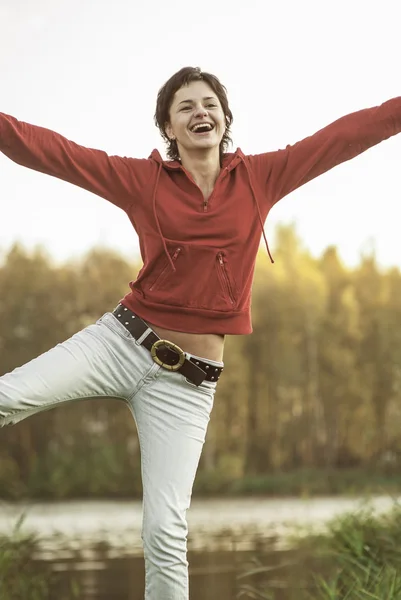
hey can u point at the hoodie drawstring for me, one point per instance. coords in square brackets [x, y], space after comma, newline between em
[157, 218]
[158, 223]
[258, 209]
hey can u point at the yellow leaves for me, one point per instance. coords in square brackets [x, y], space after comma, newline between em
[317, 383]
[42, 303]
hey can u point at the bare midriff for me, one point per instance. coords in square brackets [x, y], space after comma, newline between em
[204, 345]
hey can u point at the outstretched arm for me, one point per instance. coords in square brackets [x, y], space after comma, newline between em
[283, 171]
[114, 178]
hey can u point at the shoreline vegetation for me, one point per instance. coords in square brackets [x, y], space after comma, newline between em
[302, 483]
[22, 576]
[358, 557]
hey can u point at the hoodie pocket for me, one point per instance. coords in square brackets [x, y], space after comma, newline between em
[163, 274]
[225, 278]
[204, 278]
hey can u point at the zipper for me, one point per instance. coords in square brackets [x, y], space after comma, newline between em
[225, 277]
[206, 202]
[173, 258]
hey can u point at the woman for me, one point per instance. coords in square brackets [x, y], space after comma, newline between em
[199, 217]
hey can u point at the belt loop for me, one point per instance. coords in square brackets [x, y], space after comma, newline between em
[145, 334]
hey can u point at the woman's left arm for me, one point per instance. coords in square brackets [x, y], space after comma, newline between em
[284, 171]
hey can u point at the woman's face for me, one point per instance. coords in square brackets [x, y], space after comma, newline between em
[196, 118]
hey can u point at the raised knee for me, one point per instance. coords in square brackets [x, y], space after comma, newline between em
[10, 405]
[5, 409]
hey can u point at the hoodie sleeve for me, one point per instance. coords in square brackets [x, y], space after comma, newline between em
[283, 171]
[114, 178]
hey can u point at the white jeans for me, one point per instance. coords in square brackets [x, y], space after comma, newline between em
[171, 414]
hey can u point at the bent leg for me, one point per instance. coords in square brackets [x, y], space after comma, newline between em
[99, 361]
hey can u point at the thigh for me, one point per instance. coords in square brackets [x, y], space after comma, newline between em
[172, 416]
[102, 360]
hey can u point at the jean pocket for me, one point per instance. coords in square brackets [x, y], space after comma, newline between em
[208, 387]
[112, 323]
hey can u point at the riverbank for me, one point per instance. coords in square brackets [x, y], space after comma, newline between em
[212, 522]
[303, 483]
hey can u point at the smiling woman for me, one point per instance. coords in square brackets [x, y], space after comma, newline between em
[199, 217]
[187, 91]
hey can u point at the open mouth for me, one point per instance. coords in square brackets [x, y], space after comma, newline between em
[202, 128]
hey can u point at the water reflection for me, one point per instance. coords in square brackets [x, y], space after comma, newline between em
[101, 575]
[99, 544]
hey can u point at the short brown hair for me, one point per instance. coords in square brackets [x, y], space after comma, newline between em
[165, 99]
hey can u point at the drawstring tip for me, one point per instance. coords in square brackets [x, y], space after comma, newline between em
[268, 250]
[269, 253]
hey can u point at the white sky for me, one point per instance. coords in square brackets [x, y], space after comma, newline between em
[91, 69]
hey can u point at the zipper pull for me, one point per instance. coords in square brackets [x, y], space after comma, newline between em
[221, 259]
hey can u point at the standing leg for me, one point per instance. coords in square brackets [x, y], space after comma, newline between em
[172, 416]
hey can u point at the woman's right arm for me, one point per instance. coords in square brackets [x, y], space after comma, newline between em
[114, 178]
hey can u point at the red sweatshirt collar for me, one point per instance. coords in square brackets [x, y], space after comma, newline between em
[230, 160]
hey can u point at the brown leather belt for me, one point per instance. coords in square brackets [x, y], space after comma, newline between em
[165, 353]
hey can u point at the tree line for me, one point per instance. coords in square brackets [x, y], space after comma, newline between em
[317, 385]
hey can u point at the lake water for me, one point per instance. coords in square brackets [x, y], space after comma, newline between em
[99, 544]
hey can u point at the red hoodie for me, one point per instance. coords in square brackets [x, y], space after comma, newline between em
[199, 257]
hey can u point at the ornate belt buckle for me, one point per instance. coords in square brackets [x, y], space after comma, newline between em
[180, 352]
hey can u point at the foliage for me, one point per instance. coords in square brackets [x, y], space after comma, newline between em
[310, 399]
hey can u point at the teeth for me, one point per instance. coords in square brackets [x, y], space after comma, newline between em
[199, 125]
